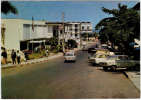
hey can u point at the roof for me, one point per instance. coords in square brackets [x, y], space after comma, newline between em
[66, 22]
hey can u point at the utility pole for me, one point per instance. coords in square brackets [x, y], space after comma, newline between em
[80, 37]
[63, 32]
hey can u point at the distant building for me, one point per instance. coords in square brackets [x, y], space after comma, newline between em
[86, 27]
[72, 30]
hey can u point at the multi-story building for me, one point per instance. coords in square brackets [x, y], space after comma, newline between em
[72, 30]
[86, 27]
[21, 34]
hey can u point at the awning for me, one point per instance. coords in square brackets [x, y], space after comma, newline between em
[37, 41]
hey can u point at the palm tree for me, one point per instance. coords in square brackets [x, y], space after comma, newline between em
[7, 7]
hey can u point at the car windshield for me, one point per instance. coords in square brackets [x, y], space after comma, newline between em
[69, 54]
[101, 56]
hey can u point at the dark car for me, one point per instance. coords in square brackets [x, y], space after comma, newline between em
[91, 50]
[27, 51]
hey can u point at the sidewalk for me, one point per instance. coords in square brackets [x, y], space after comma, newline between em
[134, 76]
[33, 61]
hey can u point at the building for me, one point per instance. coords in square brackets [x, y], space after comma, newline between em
[21, 34]
[71, 30]
[86, 27]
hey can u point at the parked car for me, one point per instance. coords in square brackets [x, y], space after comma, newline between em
[70, 56]
[119, 61]
[104, 46]
[96, 59]
[100, 56]
[27, 51]
[91, 50]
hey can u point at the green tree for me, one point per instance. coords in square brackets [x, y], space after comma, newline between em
[121, 28]
[7, 7]
[72, 43]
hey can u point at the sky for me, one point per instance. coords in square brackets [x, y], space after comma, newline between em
[73, 10]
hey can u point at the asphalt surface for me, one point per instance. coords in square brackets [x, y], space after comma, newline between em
[56, 79]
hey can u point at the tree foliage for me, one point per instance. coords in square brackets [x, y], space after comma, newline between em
[72, 43]
[7, 7]
[121, 28]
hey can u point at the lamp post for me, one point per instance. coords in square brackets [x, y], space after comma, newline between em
[63, 32]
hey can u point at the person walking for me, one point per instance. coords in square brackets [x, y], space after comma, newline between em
[4, 55]
[18, 57]
[13, 56]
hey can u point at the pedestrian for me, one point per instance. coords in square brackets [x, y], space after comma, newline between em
[18, 57]
[47, 54]
[4, 55]
[26, 55]
[13, 56]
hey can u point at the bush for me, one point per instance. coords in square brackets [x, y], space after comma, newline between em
[37, 55]
[72, 43]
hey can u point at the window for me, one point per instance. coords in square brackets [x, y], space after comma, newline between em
[49, 29]
[88, 27]
[76, 25]
[82, 27]
[61, 31]
[26, 31]
[76, 30]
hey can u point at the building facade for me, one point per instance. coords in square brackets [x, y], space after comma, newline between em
[19, 33]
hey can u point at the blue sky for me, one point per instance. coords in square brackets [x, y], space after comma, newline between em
[74, 10]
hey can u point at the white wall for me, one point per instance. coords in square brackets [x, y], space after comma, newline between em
[15, 31]
[85, 25]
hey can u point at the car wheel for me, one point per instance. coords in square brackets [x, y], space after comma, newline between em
[94, 64]
[105, 68]
[113, 68]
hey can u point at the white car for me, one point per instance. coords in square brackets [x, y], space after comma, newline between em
[70, 56]
[97, 58]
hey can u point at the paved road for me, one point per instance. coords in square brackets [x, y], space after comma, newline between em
[56, 79]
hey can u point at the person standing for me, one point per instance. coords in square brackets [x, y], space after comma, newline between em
[18, 57]
[4, 55]
[26, 56]
[47, 53]
[13, 56]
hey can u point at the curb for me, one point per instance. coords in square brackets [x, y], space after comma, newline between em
[45, 59]
[129, 77]
[125, 74]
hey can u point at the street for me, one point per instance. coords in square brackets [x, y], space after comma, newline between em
[56, 79]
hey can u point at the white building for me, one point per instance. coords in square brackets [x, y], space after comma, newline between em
[72, 30]
[19, 32]
[86, 27]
